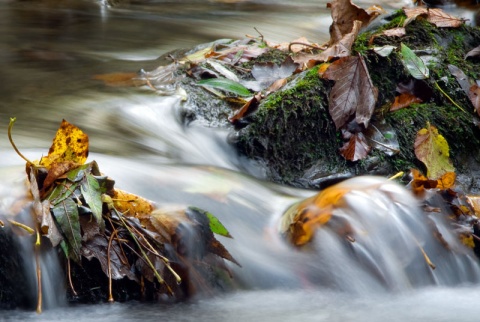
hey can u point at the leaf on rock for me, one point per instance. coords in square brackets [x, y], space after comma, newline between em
[384, 51]
[404, 100]
[92, 194]
[247, 109]
[353, 92]
[415, 66]
[462, 79]
[436, 16]
[344, 14]
[226, 85]
[66, 215]
[132, 205]
[266, 74]
[420, 183]
[441, 19]
[474, 96]
[120, 79]
[215, 225]
[395, 32]
[432, 149]
[475, 52]
[69, 144]
[57, 169]
[356, 148]
[48, 226]
[343, 47]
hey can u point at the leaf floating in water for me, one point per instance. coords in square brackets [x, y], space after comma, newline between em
[215, 225]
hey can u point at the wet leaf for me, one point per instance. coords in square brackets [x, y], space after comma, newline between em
[69, 144]
[247, 109]
[266, 74]
[132, 205]
[384, 51]
[395, 32]
[62, 191]
[93, 197]
[475, 52]
[120, 79]
[48, 226]
[404, 100]
[462, 79]
[226, 85]
[416, 87]
[356, 148]
[383, 137]
[215, 225]
[57, 169]
[223, 70]
[415, 66]
[353, 92]
[66, 215]
[432, 149]
[420, 183]
[474, 96]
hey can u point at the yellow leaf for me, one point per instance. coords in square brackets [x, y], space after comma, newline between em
[432, 149]
[69, 144]
[132, 205]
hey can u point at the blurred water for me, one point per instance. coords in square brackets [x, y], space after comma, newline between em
[49, 52]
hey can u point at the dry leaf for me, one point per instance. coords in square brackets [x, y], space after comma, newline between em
[356, 148]
[247, 109]
[353, 92]
[436, 16]
[395, 32]
[344, 15]
[462, 79]
[132, 205]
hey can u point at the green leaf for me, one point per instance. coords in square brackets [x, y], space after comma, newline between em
[226, 85]
[93, 197]
[66, 215]
[215, 225]
[416, 67]
[62, 191]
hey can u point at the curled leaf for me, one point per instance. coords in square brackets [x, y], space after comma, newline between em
[226, 85]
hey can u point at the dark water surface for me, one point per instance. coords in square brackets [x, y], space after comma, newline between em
[49, 51]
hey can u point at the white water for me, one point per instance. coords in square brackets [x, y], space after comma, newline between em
[141, 144]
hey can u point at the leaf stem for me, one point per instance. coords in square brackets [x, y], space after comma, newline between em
[449, 98]
[10, 126]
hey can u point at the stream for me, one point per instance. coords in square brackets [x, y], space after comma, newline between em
[50, 51]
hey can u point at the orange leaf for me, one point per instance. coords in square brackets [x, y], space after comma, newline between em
[404, 100]
[69, 144]
[474, 96]
[120, 79]
[132, 205]
[356, 148]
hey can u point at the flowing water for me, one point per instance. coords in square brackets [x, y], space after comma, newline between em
[49, 52]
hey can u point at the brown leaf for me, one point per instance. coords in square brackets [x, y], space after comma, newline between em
[442, 19]
[344, 15]
[343, 47]
[120, 79]
[475, 52]
[404, 100]
[413, 13]
[474, 96]
[353, 92]
[356, 148]
[395, 32]
[48, 226]
[57, 169]
[246, 109]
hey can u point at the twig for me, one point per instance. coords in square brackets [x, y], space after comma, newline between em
[110, 296]
[69, 272]
[449, 98]
[39, 274]
[10, 126]
[19, 224]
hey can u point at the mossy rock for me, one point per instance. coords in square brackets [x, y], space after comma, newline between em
[293, 135]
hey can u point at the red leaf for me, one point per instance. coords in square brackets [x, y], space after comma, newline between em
[353, 92]
[356, 148]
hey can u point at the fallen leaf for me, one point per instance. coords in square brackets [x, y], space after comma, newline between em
[395, 32]
[131, 205]
[266, 74]
[384, 51]
[353, 92]
[416, 87]
[475, 52]
[247, 109]
[69, 144]
[120, 79]
[441, 19]
[92, 194]
[356, 148]
[344, 14]
[462, 79]
[66, 215]
[420, 183]
[226, 85]
[432, 149]
[57, 169]
[474, 96]
[415, 66]
[215, 225]
[404, 100]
